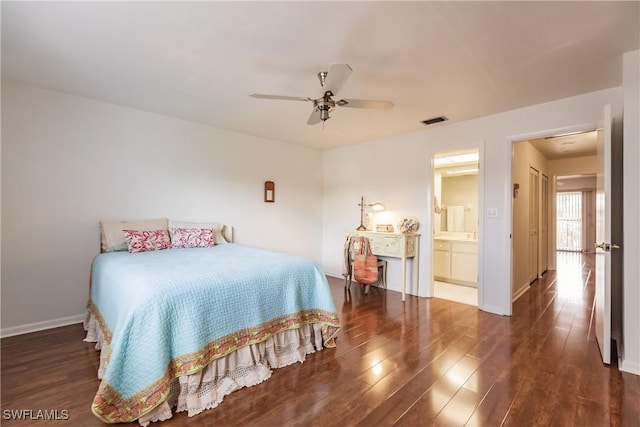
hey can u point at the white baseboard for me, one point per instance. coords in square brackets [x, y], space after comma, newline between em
[493, 309]
[520, 292]
[630, 367]
[334, 275]
[41, 326]
[624, 365]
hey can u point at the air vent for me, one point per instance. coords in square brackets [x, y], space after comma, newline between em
[434, 120]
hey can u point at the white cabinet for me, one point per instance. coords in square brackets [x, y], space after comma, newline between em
[442, 259]
[456, 261]
[442, 263]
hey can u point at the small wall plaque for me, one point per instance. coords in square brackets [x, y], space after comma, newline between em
[269, 192]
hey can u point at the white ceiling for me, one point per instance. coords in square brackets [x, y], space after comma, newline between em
[200, 60]
[565, 146]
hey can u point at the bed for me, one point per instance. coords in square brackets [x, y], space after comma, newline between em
[180, 328]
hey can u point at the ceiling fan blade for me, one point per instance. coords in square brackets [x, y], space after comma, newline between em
[365, 103]
[336, 76]
[279, 97]
[314, 118]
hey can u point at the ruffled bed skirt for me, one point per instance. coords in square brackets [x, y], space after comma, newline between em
[245, 367]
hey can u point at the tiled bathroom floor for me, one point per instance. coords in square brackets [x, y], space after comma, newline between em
[458, 293]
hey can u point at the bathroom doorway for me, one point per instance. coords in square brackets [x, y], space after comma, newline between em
[456, 226]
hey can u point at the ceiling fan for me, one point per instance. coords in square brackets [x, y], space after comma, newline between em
[331, 81]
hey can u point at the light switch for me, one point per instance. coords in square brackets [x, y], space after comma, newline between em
[492, 213]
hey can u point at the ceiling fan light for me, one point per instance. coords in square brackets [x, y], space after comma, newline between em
[324, 114]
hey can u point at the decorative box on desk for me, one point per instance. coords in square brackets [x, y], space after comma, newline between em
[395, 245]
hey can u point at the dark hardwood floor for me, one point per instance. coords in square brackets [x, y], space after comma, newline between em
[422, 363]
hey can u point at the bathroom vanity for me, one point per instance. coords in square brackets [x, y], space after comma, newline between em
[455, 259]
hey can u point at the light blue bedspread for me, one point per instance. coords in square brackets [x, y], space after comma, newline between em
[171, 312]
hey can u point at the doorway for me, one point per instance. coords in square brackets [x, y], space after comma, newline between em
[543, 169]
[456, 226]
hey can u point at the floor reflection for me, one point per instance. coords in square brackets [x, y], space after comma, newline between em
[427, 361]
[570, 282]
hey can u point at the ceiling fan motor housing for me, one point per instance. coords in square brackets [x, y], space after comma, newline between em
[324, 105]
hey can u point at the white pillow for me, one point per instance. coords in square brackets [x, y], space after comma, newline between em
[218, 229]
[112, 232]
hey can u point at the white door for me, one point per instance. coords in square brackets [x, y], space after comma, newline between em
[603, 240]
[533, 224]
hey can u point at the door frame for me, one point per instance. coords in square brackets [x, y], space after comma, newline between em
[512, 140]
[534, 193]
[543, 224]
[428, 233]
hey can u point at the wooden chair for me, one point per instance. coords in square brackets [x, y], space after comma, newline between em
[353, 243]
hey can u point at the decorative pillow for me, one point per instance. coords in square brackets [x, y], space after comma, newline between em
[218, 229]
[112, 236]
[191, 237]
[143, 241]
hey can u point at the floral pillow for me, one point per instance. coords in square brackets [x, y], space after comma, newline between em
[192, 237]
[143, 241]
[219, 230]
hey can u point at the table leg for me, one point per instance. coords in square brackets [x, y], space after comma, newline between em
[415, 264]
[404, 276]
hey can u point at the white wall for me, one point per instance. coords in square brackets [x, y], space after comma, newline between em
[631, 213]
[574, 166]
[396, 172]
[68, 162]
[578, 183]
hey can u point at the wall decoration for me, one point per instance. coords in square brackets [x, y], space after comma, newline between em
[269, 192]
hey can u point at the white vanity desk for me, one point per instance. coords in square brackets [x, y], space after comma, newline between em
[395, 245]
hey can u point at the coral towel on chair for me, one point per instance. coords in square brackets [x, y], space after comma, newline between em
[365, 264]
